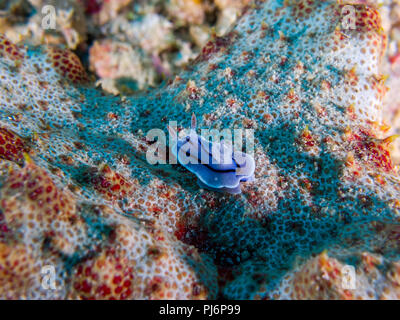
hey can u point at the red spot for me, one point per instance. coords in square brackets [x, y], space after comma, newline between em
[117, 279]
[86, 286]
[115, 187]
[103, 290]
[118, 290]
[35, 193]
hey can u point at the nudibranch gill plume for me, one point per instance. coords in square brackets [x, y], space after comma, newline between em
[217, 166]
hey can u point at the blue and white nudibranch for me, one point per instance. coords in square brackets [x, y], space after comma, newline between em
[217, 167]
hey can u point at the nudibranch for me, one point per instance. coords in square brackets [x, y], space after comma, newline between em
[217, 166]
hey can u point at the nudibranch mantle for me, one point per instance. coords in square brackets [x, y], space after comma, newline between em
[217, 166]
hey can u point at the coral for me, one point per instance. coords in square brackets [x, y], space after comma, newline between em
[230, 11]
[188, 11]
[21, 276]
[311, 90]
[35, 209]
[390, 11]
[70, 20]
[153, 38]
[67, 64]
[11, 146]
[139, 264]
[104, 11]
[324, 278]
[111, 184]
[10, 50]
[12, 12]
[114, 60]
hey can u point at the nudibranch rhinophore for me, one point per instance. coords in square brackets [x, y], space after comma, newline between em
[217, 166]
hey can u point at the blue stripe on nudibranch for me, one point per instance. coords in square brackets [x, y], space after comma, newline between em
[216, 175]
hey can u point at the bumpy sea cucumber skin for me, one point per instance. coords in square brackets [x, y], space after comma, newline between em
[123, 228]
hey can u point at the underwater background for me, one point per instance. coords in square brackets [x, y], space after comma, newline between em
[85, 215]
